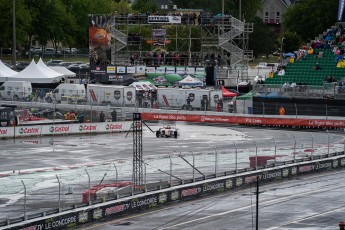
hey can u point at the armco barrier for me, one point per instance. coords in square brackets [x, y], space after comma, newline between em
[64, 129]
[123, 206]
[247, 120]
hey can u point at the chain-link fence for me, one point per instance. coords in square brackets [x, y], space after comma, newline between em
[29, 193]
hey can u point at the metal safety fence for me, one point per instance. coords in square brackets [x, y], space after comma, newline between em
[27, 194]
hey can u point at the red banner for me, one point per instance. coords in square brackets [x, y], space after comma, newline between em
[262, 121]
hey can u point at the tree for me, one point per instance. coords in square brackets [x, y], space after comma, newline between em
[23, 23]
[144, 6]
[291, 42]
[309, 18]
[262, 40]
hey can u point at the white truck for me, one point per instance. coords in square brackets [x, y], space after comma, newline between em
[116, 95]
[15, 90]
[189, 99]
[67, 93]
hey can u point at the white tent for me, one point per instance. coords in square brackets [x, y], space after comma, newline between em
[35, 74]
[48, 70]
[63, 70]
[5, 72]
[190, 81]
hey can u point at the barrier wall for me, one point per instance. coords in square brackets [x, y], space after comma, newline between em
[116, 208]
[63, 129]
[245, 120]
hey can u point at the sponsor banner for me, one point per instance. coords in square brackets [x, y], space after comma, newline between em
[191, 192]
[213, 187]
[200, 70]
[190, 70]
[117, 209]
[140, 69]
[121, 69]
[6, 132]
[341, 162]
[164, 19]
[271, 175]
[145, 202]
[131, 69]
[170, 69]
[111, 69]
[245, 120]
[318, 166]
[99, 73]
[28, 130]
[180, 70]
[68, 221]
[87, 128]
[150, 69]
[229, 183]
[160, 70]
[57, 129]
[174, 195]
[116, 78]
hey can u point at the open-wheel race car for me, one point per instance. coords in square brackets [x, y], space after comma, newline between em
[167, 131]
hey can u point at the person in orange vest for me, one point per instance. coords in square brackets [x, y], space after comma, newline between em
[281, 111]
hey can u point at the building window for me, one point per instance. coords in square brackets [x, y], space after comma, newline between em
[266, 15]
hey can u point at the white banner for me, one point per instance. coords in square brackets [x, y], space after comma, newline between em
[150, 69]
[190, 70]
[63, 129]
[180, 70]
[170, 69]
[164, 19]
[130, 69]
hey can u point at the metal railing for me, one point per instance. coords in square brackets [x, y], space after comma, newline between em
[26, 193]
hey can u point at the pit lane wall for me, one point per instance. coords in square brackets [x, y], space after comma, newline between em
[136, 203]
[248, 120]
[63, 129]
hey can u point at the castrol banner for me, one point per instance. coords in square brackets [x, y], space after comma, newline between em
[263, 121]
[64, 129]
[6, 131]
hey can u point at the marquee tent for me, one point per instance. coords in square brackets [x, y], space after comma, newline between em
[48, 70]
[190, 81]
[227, 93]
[63, 70]
[36, 75]
[5, 72]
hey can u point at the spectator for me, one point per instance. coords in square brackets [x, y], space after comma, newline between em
[81, 117]
[102, 117]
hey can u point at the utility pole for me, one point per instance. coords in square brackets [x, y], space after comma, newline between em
[14, 45]
[257, 202]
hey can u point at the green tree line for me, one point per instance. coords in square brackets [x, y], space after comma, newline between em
[66, 21]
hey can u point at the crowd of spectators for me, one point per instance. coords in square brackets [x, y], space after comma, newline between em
[177, 59]
[186, 18]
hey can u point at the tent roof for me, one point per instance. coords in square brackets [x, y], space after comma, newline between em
[227, 93]
[63, 70]
[246, 96]
[5, 71]
[173, 77]
[35, 74]
[48, 70]
[157, 83]
[190, 81]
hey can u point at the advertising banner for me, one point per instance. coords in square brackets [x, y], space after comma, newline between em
[160, 70]
[190, 192]
[150, 69]
[100, 46]
[190, 70]
[121, 69]
[170, 69]
[218, 186]
[180, 70]
[6, 131]
[131, 69]
[164, 19]
[245, 120]
[28, 130]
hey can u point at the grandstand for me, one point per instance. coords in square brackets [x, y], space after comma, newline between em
[302, 70]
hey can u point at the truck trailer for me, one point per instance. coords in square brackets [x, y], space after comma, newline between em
[190, 99]
[116, 95]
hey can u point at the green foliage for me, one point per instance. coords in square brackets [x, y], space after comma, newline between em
[291, 42]
[144, 6]
[262, 40]
[309, 18]
[23, 23]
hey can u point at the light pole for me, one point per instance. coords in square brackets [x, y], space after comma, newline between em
[281, 51]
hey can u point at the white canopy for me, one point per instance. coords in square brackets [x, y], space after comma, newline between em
[63, 70]
[48, 70]
[190, 81]
[5, 72]
[35, 74]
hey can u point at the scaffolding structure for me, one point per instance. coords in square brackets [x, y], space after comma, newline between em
[223, 38]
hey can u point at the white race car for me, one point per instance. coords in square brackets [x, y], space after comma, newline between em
[167, 131]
